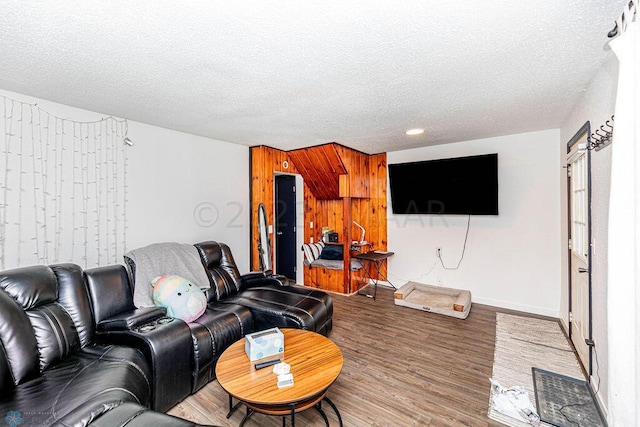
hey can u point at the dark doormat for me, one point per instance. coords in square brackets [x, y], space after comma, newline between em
[564, 401]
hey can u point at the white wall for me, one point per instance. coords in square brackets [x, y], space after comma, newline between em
[512, 260]
[596, 105]
[188, 188]
[182, 187]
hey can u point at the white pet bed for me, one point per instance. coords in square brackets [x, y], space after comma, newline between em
[436, 299]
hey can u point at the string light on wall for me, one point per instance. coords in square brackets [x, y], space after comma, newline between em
[63, 192]
[126, 139]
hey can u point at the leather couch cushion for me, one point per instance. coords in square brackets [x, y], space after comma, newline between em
[132, 415]
[45, 316]
[220, 326]
[72, 389]
[110, 291]
[19, 361]
[72, 295]
[287, 307]
[55, 334]
[30, 287]
[50, 371]
[224, 276]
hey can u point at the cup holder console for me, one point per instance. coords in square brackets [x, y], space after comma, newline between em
[148, 327]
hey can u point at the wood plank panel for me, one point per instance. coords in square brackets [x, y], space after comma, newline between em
[320, 168]
[265, 162]
[356, 164]
[309, 216]
[326, 279]
[379, 208]
[256, 155]
[328, 172]
[346, 242]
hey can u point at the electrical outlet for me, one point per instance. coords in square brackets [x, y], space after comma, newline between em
[438, 252]
[310, 224]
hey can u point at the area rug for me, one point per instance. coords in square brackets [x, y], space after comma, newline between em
[523, 343]
[564, 401]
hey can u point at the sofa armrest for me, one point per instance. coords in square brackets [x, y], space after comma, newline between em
[168, 348]
[131, 319]
[255, 275]
[109, 291]
[253, 279]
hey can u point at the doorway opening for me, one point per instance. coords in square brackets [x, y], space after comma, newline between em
[289, 220]
[580, 249]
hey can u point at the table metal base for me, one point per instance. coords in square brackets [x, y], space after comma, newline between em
[376, 264]
[290, 411]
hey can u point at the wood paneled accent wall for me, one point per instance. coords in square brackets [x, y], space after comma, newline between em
[265, 163]
[359, 193]
[321, 168]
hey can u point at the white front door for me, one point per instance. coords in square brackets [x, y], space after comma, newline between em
[579, 249]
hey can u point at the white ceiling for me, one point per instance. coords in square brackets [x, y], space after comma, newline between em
[295, 73]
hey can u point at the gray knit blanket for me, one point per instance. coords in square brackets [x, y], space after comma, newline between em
[161, 259]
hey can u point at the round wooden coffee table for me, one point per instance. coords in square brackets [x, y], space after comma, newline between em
[315, 363]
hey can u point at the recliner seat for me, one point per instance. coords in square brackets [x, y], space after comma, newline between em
[165, 342]
[51, 370]
[271, 302]
[219, 326]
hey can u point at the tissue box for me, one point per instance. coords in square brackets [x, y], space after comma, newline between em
[259, 345]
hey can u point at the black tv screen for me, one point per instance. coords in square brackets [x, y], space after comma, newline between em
[457, 186]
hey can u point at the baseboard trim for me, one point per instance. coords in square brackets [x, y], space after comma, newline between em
[603, 408]
[543, 311]
[565, 325]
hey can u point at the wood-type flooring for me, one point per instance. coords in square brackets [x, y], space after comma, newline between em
[402, 367]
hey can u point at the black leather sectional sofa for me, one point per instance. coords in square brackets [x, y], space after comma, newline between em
[75, 351]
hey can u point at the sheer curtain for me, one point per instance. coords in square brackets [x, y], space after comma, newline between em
[624, 227]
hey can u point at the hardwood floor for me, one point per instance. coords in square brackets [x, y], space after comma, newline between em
[402, 367]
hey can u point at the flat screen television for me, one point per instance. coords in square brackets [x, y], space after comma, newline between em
[456, 186]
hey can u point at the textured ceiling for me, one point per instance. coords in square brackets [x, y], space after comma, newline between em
[291, 74]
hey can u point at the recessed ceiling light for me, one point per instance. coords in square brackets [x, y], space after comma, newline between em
[412, 132]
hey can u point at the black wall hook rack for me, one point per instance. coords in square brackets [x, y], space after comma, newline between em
[615, 30]
[602, 136]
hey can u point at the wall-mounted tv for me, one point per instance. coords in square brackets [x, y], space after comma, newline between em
[457, 186]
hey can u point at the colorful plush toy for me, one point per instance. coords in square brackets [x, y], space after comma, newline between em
[181, 298]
